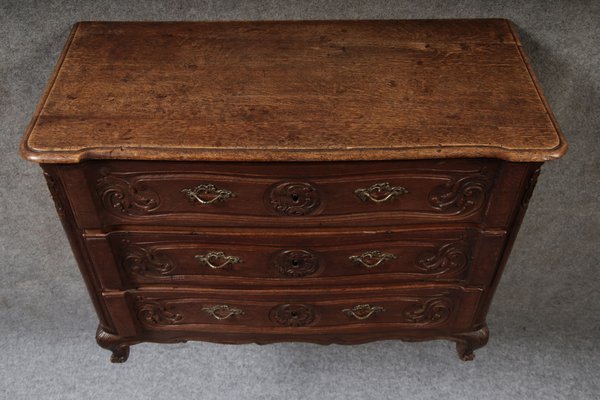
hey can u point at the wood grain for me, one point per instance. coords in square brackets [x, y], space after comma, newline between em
[122, 262]
[293, 91]
[320, 181]
[410, 307]
[266, 258]
[108, 193]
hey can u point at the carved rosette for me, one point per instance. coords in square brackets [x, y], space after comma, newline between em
[155, 313]
[449, 257]
[120, 196]
[296, 263]
[294, 198]
[461, 195]
[146, 261]
[293, 315]
[431, 311]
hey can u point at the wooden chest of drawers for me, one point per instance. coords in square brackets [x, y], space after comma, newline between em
[330, 182]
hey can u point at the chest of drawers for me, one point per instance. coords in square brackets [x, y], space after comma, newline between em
[329, 182]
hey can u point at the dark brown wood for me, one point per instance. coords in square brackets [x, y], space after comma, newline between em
[254, 258]
[528, 180]
[284, 311]
[262, 194]
[76, 241]
[378, 210]
[467, 343]
[114, 343]
[411, 313]
[293, 91]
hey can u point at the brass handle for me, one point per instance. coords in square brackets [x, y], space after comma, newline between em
[380, 192]
[215, 256]
[222, 311]
[214, 194]
[362, 311]
[372, 259]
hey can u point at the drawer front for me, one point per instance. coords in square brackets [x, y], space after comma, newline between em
[292, 194]
[438, 308]
[329, 258]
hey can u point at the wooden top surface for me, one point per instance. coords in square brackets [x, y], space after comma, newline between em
[292, 91]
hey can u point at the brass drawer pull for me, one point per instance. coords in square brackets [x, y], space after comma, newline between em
[222, 311]
[363, 311]
[208, 194]
[380, 192]
[212, 257]
[372, 259]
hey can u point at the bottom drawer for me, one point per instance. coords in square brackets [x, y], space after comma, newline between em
[291, 312]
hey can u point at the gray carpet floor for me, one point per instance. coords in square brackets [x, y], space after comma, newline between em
[545, 320]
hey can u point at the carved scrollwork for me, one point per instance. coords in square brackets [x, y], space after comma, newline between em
[294, 198]
[54, 188]
[145, 261]
[293, 315]
[156, 313]
[449, 257]
[296, 263]
[430, 311]
[118, 195]
[461, 195]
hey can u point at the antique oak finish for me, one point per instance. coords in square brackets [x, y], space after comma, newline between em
[320, 181]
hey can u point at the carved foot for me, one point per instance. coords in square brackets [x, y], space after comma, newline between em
[468, 342]
[120, 354]
[114, 343]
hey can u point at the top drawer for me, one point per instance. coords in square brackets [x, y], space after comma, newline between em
[107, 193]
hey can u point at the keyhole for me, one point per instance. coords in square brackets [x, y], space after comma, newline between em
[295, 198]
[294, 314]
[295, 263]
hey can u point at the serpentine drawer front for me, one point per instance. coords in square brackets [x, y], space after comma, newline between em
[301, 312]
[300, 194]
[296, 258]
[329, 182]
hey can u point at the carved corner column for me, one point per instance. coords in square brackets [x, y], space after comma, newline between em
[59, 195]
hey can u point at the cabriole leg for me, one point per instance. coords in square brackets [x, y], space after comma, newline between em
[468, 342]
[114, 343]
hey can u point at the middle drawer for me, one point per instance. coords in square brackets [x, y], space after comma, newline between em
[220, 257]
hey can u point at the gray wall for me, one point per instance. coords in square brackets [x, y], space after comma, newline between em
[545, 320]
